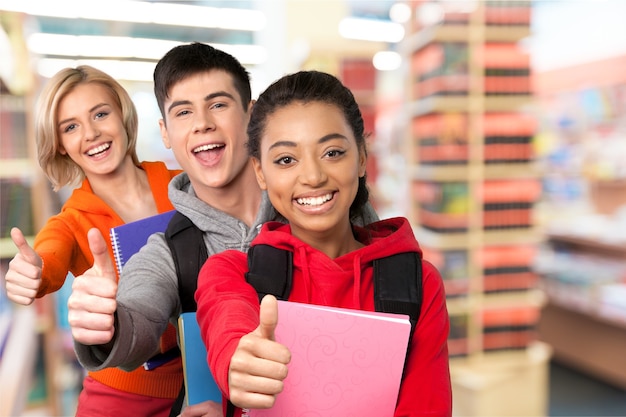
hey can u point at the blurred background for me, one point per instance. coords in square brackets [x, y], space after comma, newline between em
[497, 127]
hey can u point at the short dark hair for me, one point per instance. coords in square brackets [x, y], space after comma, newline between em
[183, 61]
[306, 87]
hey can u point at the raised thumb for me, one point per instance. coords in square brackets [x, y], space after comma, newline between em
[101, 260]
[268, 317]
[23, 247]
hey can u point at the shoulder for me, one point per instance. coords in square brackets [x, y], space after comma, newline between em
[228, 257]
[159, 168]
[224, 265]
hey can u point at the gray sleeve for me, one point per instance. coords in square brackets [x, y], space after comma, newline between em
[147, 299]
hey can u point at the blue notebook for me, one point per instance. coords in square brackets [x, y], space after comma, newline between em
[128, 238]
[199, 383]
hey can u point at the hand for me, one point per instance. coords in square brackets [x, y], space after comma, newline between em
[259, 364]
[205, 409]
[92, 304]
[24, 275]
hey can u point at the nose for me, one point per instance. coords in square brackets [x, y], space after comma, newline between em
[312, 172]
[91, 131]
[204, 122]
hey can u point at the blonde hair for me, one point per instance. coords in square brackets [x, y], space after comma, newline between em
[59, 168]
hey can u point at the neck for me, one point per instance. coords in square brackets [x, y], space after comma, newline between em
[334, 243]
[127, 191]
[241, 198]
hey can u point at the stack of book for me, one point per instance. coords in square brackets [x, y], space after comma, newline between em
[507, 204]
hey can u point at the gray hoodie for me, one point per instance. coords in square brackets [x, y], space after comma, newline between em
[147, 295]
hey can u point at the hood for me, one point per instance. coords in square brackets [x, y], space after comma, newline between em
[232, 232]
[337, 282]
[84, 200]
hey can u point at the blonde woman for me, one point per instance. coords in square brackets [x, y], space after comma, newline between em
[86, 131]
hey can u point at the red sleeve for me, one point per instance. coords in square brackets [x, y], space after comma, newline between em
[426, 388]
[228, 308]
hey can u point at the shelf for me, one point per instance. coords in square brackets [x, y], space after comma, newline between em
[449, 173]
[591, 310]
[450, 104]
[18, 168]
[461, 33]
[531, 298]
[617, 249]
[509, 383]
[450, 241]
[10, 103]
[585, 342]
[477, 302]
[8, 249]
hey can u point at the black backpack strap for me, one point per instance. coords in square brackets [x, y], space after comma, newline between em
[189, 253]
[270, 271]
[398, 285]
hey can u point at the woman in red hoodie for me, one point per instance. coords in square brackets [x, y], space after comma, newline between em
[307, 141]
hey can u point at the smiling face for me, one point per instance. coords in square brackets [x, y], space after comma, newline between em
[310, 165]
[91, 129]
[205, 126]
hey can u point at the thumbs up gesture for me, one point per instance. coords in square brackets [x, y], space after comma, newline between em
[24, 275]
[92, 304]
[259, 364]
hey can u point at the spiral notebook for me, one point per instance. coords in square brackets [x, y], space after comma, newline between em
[128, 238]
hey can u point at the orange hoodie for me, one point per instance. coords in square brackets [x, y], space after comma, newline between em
[63, 246]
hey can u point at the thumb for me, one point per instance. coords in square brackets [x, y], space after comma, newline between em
[23, 247]
[101, 260]
[268, 317]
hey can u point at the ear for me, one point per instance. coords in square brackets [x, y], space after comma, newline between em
[164, 137]
[260, 178]
[362, 162]
[62, 150]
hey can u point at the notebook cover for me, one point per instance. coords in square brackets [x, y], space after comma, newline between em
[199, 383]
[344, 362]
[128, 238]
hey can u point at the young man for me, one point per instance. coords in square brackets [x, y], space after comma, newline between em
[205, 99]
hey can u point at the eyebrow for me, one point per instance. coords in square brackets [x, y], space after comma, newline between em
[206, 98]
[323, 139]
[90, 110]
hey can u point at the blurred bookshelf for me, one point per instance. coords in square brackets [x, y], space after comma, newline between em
[475, 184]
[583, 268]
[30, 362]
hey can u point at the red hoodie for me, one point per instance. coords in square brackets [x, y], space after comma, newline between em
[228, 307]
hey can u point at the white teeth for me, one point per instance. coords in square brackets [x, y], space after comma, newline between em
[97, 150]
[206, 148]
[314, 201]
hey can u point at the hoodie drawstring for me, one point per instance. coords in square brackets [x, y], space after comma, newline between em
[306, 273]
[356, 289]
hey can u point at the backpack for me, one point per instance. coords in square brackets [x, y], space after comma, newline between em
[397, 278]
[271, 269]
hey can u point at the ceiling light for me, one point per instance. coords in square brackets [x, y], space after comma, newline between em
[143, 12]
[387, 60]
[371, 30]
[400, 13]
[120, 70]
[125, 47]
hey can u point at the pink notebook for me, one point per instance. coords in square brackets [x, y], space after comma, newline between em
[343, 362]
